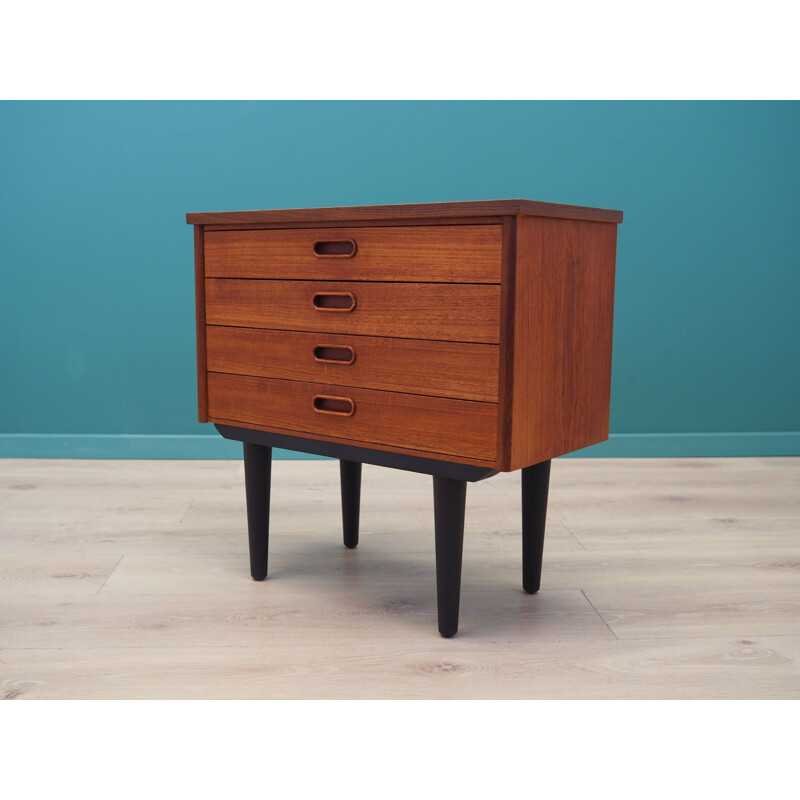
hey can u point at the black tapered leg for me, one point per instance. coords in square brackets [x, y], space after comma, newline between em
[449, 498]
[350, 474]
[535, 485]
[257, 470]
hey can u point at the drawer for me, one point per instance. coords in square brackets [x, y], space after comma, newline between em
[441, 254]
[444, 369]
[451, 312]
[433, 424]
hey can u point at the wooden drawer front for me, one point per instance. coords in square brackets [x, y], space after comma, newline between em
[432, 424]
[442, 254]
[444, 369]
[452, 312]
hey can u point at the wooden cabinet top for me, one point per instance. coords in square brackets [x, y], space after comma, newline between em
[414, 211]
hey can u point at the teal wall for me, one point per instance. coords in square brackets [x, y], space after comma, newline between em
[96, 307]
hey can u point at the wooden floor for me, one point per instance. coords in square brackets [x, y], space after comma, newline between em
[662, 579]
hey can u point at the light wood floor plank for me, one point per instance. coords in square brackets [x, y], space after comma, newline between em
[684, 533]
[699, 611]
[758, 668]
[58, 576]
[389, 562]
[351, 615]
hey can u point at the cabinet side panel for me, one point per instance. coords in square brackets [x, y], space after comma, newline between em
[200, 321]
[506, 376]
[562, 337]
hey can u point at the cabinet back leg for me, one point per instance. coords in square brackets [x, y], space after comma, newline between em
[535, 486]
[350, 476]
[449, 498]
[257, 474]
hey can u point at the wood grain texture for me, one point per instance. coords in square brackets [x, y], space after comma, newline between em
[438, 254]
[639, 579]
[336, 224]
[129, 579]
[456, 427]
[505, 375]
[366, 666]
[62, 576]
[200, 323]
[415, 210]
[450, 312]
[388, 448]
[443, 369]
[563, 318]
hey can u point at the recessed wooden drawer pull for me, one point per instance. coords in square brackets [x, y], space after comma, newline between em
[335, 248]
[334, 301]
[337, 406]
[334, 354]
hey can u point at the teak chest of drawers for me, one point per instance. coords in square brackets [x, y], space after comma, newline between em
[454, 339]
